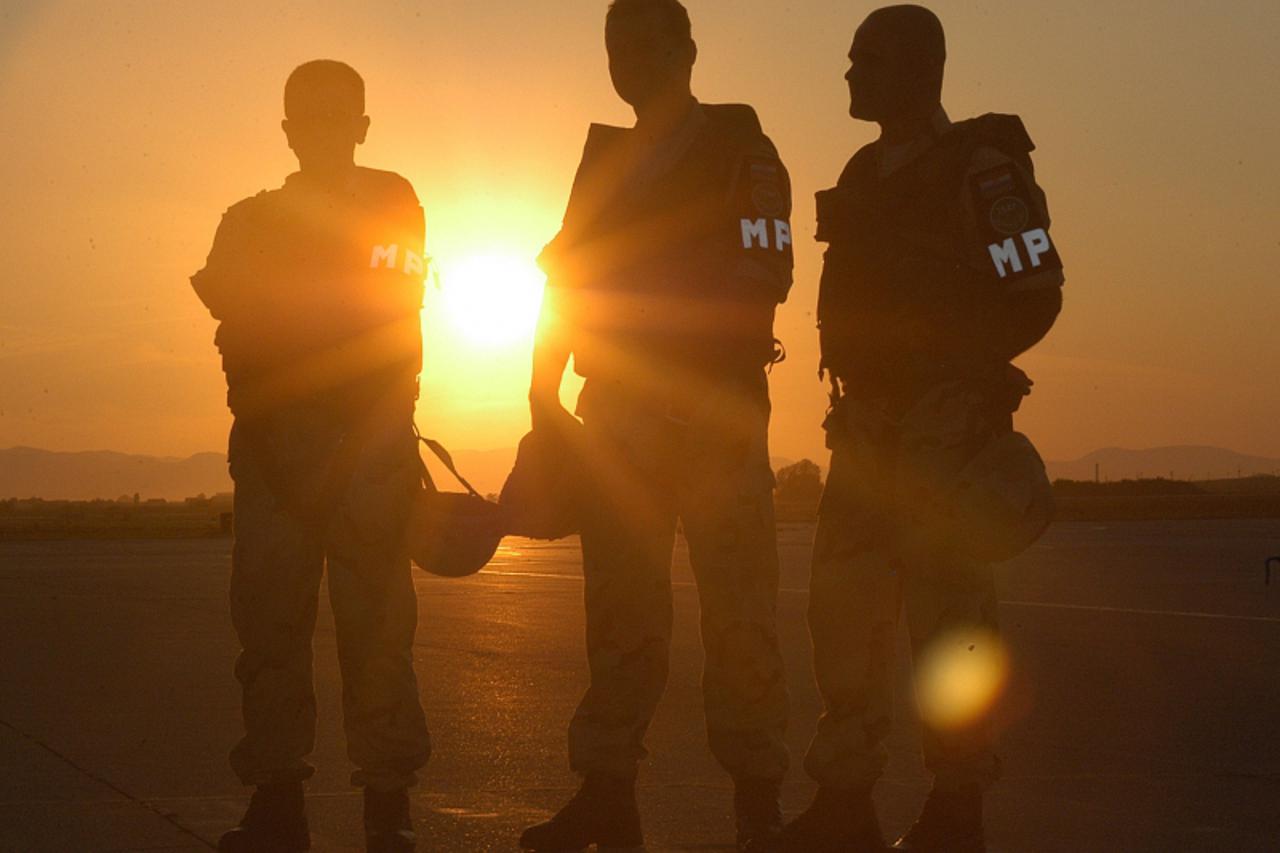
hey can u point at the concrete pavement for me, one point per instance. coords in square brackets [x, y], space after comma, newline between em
[1146, 655]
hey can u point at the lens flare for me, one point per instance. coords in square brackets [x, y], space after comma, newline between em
[960, 677]
[492, 299]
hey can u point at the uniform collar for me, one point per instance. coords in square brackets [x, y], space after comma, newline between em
[656, 157]
[340, 183]
[895, 157]
[678, 137]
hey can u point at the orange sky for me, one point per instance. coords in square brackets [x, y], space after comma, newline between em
[130, 126]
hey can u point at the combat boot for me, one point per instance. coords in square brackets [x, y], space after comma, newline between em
[276, 822]
[840, 820]
[603, 813]
[387, 826]
[755, 802]
[950, 823]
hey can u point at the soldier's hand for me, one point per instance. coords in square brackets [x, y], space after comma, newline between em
[547, 413]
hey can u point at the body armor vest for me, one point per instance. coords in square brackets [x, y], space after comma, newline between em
[899, 309]
[648, 262]
[318, 292]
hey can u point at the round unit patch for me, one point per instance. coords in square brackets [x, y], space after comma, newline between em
[768, 200]
[1010, 215]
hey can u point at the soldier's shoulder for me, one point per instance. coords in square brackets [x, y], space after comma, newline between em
[864, 158]
[248, 210]
[986, 157]
[738, 132]
[1004, 133]
[388, 186]
[601, 137]
[739, 120]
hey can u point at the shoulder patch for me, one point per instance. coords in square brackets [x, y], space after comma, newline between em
[1001, 181]
[759, 206]
[767, 186]
[1009, 215]
[1012, 231]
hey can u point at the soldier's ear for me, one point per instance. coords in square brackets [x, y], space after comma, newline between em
[693, 52]
[362, 130]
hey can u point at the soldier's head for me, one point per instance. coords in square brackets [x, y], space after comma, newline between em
[324, 114]
[896, 64]
[651, 49]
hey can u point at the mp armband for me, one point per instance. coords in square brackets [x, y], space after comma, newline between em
[1013, 232]
[762, 200]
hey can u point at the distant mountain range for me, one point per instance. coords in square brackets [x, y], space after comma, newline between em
[30, 473]
[1174, 463]
[26, 472]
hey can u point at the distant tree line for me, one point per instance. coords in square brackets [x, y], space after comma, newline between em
[1125, 488]
[800, 483]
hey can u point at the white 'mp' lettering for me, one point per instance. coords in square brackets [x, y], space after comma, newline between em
[753, 230]
[384, 256]
[1003, 254]
[413, 264]
[781, 235]
[1037, 243]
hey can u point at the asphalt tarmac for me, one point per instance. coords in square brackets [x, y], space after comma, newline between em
[1146, 655]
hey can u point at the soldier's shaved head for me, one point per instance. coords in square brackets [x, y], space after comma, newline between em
[672, 13]
[324, 115]
[916, 31]
[898, 57]
[324, 87]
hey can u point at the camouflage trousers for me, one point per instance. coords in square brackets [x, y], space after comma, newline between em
[872, 563]
[283, 545]
[711, 474]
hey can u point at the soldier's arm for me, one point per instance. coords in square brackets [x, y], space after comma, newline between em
[1011, 252]
[759, 225]
[839, 218]
[223, 278]
[410, 237]
[409, 290]
[552, 344]
[551, 351]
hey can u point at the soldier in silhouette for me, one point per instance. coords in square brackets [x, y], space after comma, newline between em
[317, 288]
[662, 285]
[940, 271]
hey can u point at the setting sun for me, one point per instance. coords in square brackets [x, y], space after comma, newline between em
[492, 298]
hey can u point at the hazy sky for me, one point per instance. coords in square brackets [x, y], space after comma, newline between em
[129, 126]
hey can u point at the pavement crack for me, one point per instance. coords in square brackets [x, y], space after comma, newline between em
[167, 817]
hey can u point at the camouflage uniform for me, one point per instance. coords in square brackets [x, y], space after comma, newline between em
[667, 275]
[922, 308]
[713, 475]
[318, 291]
